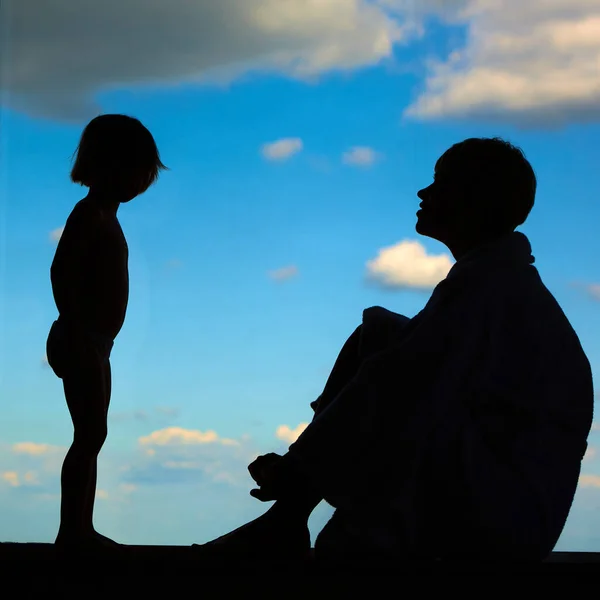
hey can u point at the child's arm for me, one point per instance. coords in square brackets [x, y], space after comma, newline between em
[71, 261]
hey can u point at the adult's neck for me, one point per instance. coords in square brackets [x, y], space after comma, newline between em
[465, 245]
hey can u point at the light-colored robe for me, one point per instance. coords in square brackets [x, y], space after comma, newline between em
[462, 434]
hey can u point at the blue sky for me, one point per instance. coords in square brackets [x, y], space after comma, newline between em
[295, 161]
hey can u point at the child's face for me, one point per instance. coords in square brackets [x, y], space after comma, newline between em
[126, 187]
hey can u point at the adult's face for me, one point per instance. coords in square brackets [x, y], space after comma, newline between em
[444, 213]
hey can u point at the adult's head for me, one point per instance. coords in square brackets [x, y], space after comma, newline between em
[483, 188]
[117, 155]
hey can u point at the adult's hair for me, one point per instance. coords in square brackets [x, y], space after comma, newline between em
[500, 180]
[116, 145]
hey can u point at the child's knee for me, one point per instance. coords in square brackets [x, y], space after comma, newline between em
[90, 441]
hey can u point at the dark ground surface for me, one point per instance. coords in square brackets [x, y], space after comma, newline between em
[159, 571]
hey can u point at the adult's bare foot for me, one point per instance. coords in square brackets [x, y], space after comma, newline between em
[268, 536]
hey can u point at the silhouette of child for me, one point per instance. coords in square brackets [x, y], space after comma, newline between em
[117, 159]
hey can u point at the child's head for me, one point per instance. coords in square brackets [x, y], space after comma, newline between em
[116, 153]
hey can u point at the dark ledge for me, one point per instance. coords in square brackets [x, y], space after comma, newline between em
[149, 572]
[158, 564]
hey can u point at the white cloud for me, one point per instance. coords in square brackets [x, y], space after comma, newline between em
[34, 449]
[29, 478]
[282, 149]
[589, 481]
[284, 273]
[127, 488]
[102, 494]
[360, 156]
[36, 464]
[11, 477]
[178, 455]
[407, 265]
[589, 453]
[532, 63]
[591, 290]
[180, 436]
[114, 44]
[289, 435]
[56, 233]
[594, 291]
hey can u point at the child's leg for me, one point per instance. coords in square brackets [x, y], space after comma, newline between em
[91, 490]
[85, 392]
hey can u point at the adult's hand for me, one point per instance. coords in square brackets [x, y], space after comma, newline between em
[263, 469]
[264, 494]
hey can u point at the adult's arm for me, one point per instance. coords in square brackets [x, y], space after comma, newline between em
[510, 452]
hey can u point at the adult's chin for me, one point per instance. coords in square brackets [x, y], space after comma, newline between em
[421, 226]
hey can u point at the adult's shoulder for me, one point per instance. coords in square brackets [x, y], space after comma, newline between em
[533, 296]
[530, 309]
[522, 292]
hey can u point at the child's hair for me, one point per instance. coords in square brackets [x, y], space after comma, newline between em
[116, 145]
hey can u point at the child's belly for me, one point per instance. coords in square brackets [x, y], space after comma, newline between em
[70, 347]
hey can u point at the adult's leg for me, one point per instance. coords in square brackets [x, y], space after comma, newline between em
[284, 527]
[345, 367]
[383, 329]
[346, 415]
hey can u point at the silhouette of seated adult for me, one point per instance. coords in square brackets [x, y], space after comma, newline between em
[457, 434]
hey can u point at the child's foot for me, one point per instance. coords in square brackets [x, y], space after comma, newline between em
[85, 541]
[267, 536]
